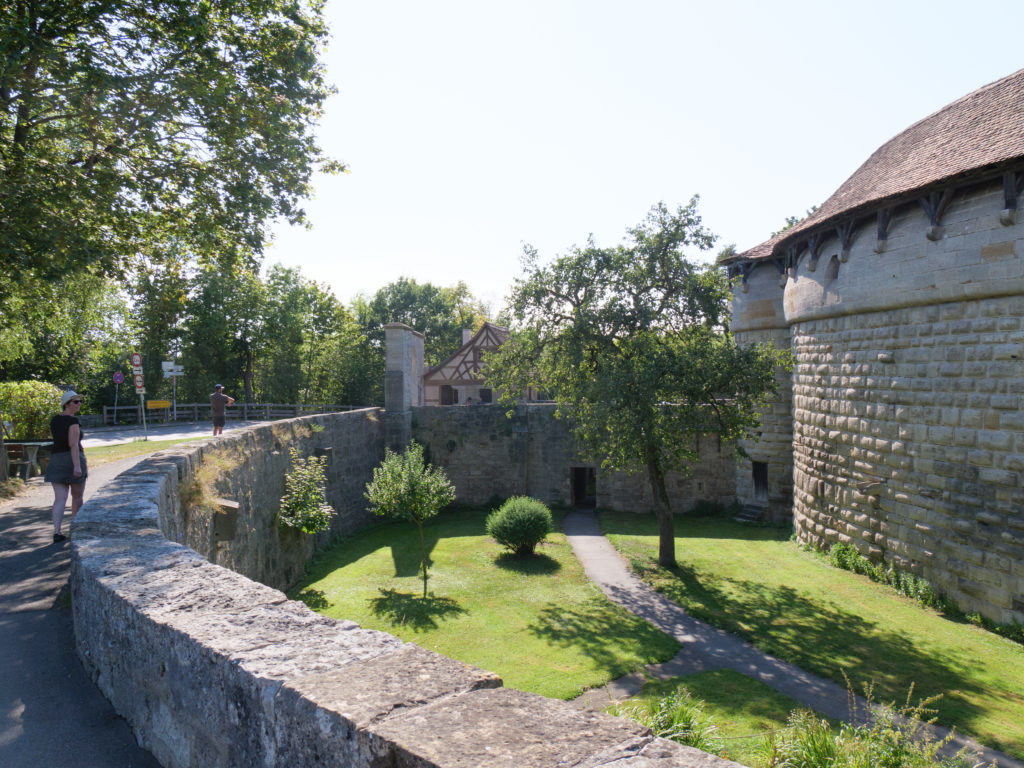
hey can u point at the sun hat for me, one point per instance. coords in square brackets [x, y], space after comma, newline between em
[69, 395]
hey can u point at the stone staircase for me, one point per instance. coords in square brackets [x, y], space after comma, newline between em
[752, 512]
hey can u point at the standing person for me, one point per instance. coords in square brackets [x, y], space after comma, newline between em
[67, 469]
[218, 402]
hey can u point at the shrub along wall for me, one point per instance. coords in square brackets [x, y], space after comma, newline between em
[214, 669]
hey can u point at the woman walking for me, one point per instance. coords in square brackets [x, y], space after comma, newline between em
[67, 469]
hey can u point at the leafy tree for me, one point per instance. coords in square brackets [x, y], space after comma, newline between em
[73, 332]
[159, 291]
[792, 221]
[128, 124]
[441, 314]
[223, 332]
[632, 344]
[406, 487]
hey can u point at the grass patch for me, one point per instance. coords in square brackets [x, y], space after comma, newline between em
[744, 709]
[538, 622]
[757, 584]
[105, 454]
[11, 488]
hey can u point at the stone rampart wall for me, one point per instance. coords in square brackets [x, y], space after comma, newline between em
[248, 467]
[489, 456]
[908, 428]
[211, 668]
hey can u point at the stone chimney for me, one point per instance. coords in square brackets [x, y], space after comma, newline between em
[403, 381]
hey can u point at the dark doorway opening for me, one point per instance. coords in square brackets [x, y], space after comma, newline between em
[584, 487]
[760, 480]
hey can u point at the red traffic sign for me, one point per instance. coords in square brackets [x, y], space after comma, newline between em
[136, 360]
[118, 377]
[139, 381]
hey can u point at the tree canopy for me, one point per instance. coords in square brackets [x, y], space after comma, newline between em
[138, 126]
[633, 344]
[440, 313]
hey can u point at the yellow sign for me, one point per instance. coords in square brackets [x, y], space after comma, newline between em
[158, 404]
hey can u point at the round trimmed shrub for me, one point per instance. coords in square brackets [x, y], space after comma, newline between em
[520, 524]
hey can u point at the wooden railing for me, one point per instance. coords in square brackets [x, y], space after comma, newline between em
[196, 412]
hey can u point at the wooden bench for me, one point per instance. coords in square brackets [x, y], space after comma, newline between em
[14, 455]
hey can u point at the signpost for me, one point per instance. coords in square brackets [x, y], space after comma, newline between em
[140, 389]
[172, 371]
[118, 381]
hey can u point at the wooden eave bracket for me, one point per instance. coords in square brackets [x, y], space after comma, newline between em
[742, 270]
[814, 245]
[787, 265]
[1013, 184]
[935, 205]
[884, 219]
[844, 232]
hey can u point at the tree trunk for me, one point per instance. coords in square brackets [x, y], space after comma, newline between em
[3, 459]
[247, 378]
[666, 523]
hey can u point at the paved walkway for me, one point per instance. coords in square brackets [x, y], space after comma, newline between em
[51, 713]
[704, 647]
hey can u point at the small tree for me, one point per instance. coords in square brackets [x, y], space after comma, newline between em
[633, 344]
[404, 486]
[304, 504]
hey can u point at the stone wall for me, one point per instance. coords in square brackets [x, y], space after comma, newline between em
[758, 318]
[908, 434]
[213, 669]
[489, 456]
[248, 468]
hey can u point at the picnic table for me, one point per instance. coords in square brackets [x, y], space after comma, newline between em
[29, 450]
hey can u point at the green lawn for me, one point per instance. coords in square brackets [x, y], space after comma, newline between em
[756, 583]
[743, 709]
[537, 622]
[104, 454]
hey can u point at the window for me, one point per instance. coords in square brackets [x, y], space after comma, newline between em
[449, 396]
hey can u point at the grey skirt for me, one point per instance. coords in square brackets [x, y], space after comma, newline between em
[60, 469]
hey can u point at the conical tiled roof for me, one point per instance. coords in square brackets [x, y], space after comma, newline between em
[983, 131]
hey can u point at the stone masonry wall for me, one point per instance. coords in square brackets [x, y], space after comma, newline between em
[908, 427]
[248, 467]
[758, 318]
[488, 455]
[213, 669]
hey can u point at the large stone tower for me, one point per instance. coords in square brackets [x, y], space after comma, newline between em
[903, 295]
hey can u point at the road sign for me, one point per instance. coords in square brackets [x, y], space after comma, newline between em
[136, 360]
[174, 371]
[118, 377]
[140, 384]
[158, 404]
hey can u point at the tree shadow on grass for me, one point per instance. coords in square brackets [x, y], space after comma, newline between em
[529, 565]
[316, 599]
[823, 638]
[604, 634]
[415, 611]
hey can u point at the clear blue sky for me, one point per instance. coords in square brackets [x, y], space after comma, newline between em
[473, 127]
